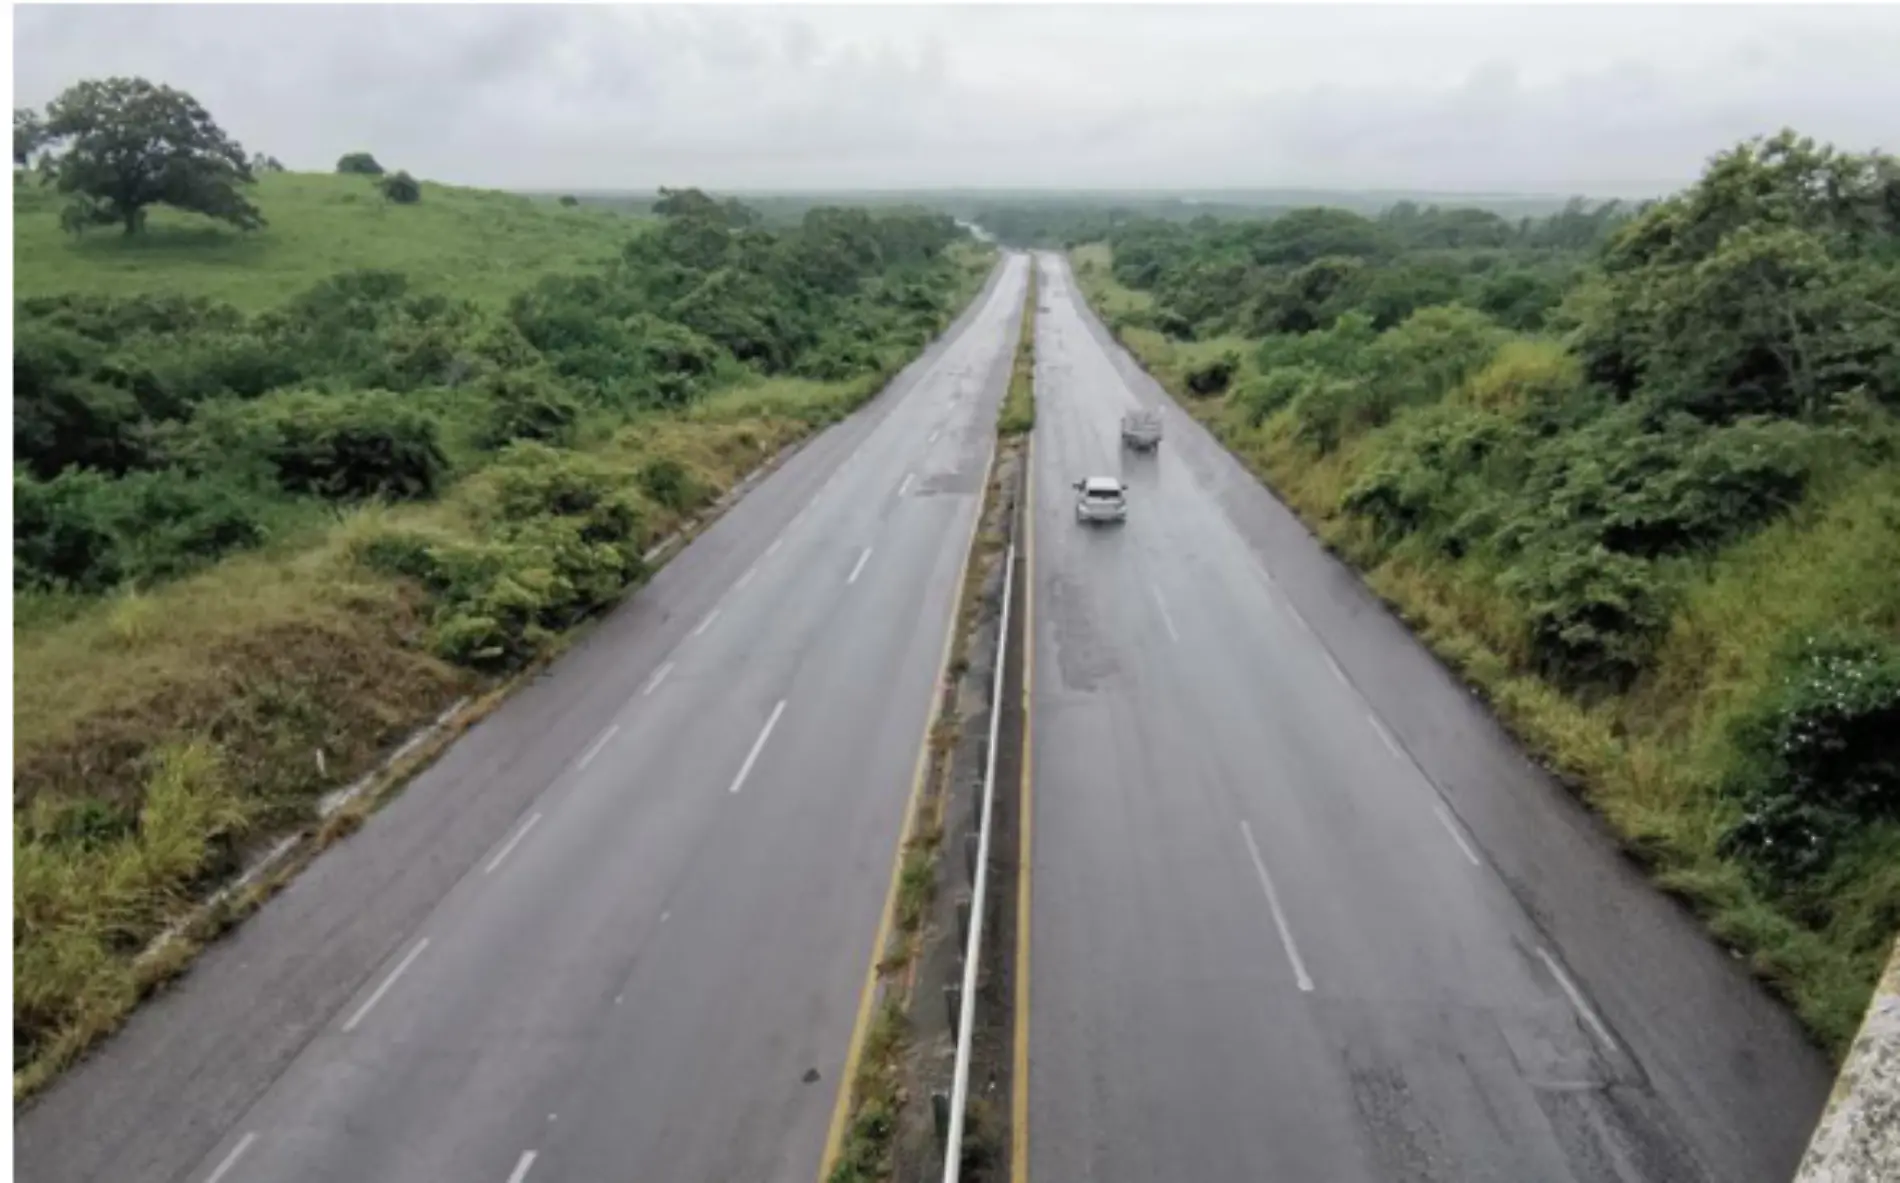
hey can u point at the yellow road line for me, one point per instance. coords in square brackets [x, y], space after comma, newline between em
[1019, 1072]
[841, 1111]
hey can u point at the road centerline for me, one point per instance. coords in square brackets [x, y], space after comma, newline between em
[707, 622]
[659, 676]
[231, 1159]
[758, 745]
[519, 834]
[383, 989]
[588, 757]
[1166, 618]
[857, 570]
[522, 1167]
[1279, 916]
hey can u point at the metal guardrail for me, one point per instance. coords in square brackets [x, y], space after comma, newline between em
[966, 1018]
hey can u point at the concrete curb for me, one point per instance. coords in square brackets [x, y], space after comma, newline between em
[1858, 1137]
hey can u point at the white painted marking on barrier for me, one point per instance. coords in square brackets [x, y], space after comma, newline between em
[383, 989]
[659, 676]
[1576, 999]
[1444, 819]
[598, 745]
[758, 745]
[1279, 917]
[513, 842]
[230, 1160]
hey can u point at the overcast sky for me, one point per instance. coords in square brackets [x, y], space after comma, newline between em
[1612, 100]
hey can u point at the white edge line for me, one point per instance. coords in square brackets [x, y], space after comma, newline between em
[1279, 917]
[1576, 999]
[859, 569]
[519, 834]
[707, 623]
[1165, 618]
[758, 745]
[387, 983]
[1451, 827]
[230, 1160]
[1385, 736]
[659, 676]
[521, 1168]
[600, 743]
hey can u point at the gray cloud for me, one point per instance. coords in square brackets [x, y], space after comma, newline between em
[1554, 99]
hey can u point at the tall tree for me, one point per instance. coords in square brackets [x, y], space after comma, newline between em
[29, 135]
[130, 144]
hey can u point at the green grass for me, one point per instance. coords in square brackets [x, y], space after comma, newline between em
[1018, 415]
[477, 244]
[1649, 760]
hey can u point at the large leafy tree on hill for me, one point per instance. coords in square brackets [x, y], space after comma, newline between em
[130, 144]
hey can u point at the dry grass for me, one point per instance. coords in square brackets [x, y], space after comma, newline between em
[1650, 760]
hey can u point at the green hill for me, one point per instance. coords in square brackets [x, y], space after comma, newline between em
[476, 244]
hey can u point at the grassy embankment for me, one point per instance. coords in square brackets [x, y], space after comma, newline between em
[1661, 754]
[171, 716]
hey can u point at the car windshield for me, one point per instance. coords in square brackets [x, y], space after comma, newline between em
[1105, 494]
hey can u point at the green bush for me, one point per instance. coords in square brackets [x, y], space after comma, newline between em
[59, 538]
[1212, 377]
[342, 447]
[1260, 396]
[1818, 756]
[528, 405]
[1594, 616]
[86, 531]
[670, 484]
[1408, 483]
[1325, 412]
[1647, 489]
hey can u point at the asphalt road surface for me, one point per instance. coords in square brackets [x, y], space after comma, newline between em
[620, 930]
[1301, 912]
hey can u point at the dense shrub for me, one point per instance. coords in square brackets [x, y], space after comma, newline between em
[342, 447]
[1212, 377]
[670, 483]
[401, 188]
[1594, 616]
[1818, 756]
[528, 405]
[359, 163]
[1262, 395]
[85, 531]
[1407, 484]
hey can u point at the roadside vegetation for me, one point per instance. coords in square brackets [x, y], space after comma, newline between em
[1019, 402]
[1633, 473]
[300, 460]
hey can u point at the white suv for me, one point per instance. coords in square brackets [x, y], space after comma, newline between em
[1101, 499]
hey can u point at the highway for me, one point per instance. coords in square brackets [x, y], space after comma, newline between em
[621, 928]
[1300, 911]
